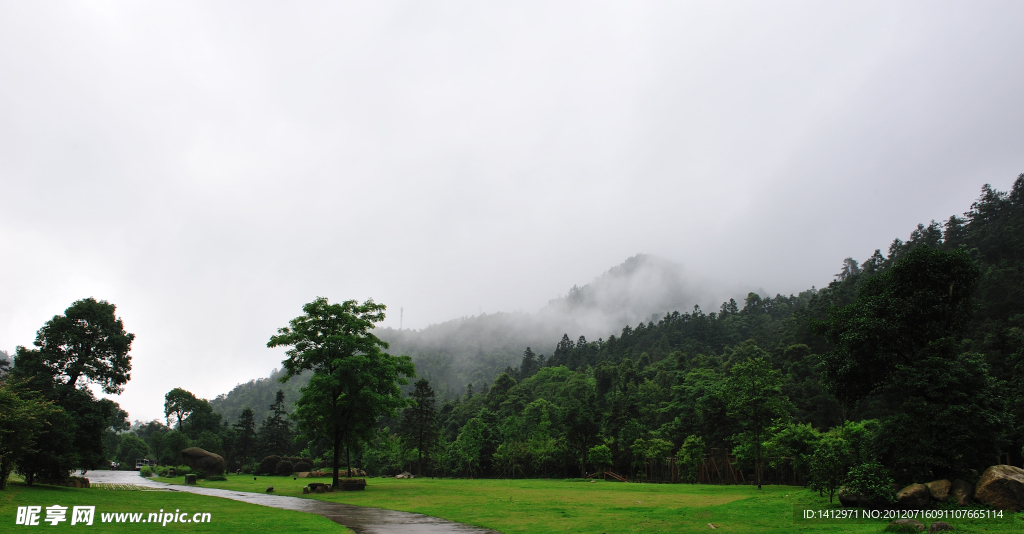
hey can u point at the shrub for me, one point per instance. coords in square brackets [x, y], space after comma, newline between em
[182, 470]
[146, 471]
[872, 480]
[250, 467]
[268, 466]
[284, 468]
[302, 466]
[160, 470]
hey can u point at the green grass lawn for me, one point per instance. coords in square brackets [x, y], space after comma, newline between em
[225, 515]
[548, 506]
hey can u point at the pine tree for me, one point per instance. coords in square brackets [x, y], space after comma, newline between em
[245, 440]
[419, 422]
[276, 436]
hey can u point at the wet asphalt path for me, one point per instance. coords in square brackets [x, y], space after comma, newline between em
[361, 519]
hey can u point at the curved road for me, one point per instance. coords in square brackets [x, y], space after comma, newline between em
[361, 519]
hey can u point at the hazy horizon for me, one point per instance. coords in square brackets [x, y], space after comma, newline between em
[210, 167]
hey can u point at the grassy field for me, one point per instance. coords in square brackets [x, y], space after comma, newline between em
[549, 506]
[225, 515]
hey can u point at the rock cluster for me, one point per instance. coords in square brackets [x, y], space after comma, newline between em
[1000, 486]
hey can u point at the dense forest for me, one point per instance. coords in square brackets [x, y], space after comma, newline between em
[907, 363]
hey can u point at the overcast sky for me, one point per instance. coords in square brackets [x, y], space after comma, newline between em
[209, 167]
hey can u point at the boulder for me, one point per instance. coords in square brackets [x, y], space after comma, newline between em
[208, 462]
[939, 490]
[855, 500]
[305, 490]
[914, 497]
[939, 526]
[902, 525]
[961, 492]
[1001, 487]
[847, 499]
[77, 482]
[302, 474]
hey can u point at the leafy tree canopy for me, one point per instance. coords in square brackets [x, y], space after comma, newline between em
[353, 382]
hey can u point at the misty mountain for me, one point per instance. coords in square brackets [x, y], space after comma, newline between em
[643, 288]
[474, 349]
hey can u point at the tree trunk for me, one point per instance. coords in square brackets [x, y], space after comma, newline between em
[337, 456]
[583, 466]
[5, 471]
[348, 460]
[758, 466]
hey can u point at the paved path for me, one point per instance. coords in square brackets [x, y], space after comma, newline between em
[361, 519]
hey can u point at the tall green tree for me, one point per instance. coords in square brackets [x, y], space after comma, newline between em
[245, 435]
[87, 343]
[24, 418]
[86, 346]
[419, 422]
[275, 436]
[580, 417]
[756, 402]
[353, 380]
[179, 403]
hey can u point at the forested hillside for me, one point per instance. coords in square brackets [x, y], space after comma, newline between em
[659, 385]
[907, 364]
[258, 395]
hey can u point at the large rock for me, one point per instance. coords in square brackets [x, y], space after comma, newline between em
[848, 499]
[857, 500]
[939, 490]
[77, 482]
[914, 497]
[1002, 487]
[961, 492]
[207, 462]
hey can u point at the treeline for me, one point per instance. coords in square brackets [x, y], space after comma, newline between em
[192, 422]
[908, 363]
